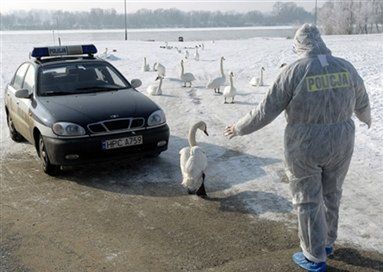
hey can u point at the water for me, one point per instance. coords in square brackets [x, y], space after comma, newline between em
[44, 37]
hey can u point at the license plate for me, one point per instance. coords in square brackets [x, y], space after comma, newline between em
[122, 142]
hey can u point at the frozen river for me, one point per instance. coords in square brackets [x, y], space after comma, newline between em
[189, 34]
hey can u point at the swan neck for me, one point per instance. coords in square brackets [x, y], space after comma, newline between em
[145, 61]
[182, 68]
[231, 81]
[222, 68]
[159, 85]
[192, 134]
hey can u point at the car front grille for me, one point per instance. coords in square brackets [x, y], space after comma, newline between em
[117, 125]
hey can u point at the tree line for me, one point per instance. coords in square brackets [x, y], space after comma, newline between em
[351, 16]
[334, 17]
[286, 13]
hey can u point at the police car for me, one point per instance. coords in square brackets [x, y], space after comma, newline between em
[76, 108]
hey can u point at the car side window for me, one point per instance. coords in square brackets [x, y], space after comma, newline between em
[19, 76]
[29, 80]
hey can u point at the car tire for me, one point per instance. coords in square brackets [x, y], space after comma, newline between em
[48, 168]
[15, 136]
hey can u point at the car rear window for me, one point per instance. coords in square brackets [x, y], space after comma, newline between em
[73, 78]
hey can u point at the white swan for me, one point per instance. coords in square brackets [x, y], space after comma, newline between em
[145, 66]
[186, 77]
[193, 162]
[155, 89]
[196, 55]
[186, 54]
[104, 54]
[230, 91]
[167, 46]
[216, 83]
[257, 81]
[161, 70]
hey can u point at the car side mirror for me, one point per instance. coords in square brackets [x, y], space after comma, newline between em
[136, 83]
[23, 93]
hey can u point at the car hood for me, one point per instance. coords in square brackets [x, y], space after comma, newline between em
[89, 108]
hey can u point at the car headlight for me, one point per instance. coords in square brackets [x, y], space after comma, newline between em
[156, 118]
[68, 129]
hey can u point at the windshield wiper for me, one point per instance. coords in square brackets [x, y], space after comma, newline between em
[50, 93]
[99, 88]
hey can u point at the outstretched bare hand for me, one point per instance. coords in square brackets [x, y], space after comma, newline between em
[230, 132]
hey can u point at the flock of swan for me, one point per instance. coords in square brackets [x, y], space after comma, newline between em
[187, 78]
[193, 159]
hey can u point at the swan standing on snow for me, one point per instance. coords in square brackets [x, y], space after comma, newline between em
[145, 66]
[196, 55]
[105, 54]
[155, 89]
[167, 46]
[186, 77]
[193, 162]
[230, 91]
[216, 83]
[161, 70]
[258, 81]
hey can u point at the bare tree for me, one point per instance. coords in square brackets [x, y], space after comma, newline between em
[377, 7]
[352, 16]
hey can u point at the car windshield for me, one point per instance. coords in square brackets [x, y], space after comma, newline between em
[77, 78]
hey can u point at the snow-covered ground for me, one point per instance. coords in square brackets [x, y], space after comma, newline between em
[248, 169]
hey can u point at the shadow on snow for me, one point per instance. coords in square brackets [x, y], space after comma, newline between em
[161, 177]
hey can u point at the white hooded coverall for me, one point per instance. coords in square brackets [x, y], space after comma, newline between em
[319, 94]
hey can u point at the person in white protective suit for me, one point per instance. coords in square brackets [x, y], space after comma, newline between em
[319, 94]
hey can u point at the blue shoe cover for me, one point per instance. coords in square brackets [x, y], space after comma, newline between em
[329, 251]
[304, 263]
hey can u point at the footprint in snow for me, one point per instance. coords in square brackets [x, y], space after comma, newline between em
[192, 94]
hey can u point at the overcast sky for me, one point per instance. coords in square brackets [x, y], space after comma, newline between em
[132, 6]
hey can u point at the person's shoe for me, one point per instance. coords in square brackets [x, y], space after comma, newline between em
[304, 263]
[330, 251]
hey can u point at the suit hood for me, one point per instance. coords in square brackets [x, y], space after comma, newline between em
[308, 42]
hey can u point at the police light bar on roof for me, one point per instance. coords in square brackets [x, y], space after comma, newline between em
[70, 50]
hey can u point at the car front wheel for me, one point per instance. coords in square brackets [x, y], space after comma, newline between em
[48, 168]
[12, 131]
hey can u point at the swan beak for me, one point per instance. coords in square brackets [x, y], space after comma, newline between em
[205, 131]
[158, 78]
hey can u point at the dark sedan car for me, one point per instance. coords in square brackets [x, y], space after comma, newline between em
[75, 108]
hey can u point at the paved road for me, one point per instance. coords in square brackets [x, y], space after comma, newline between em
[87, 220]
